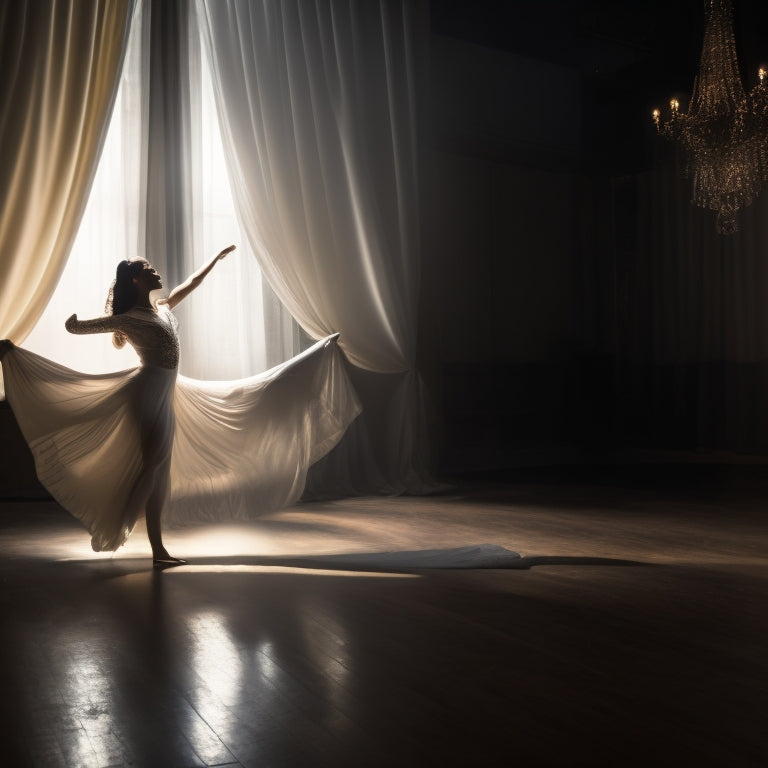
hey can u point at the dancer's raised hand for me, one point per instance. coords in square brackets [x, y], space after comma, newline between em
[189, 285]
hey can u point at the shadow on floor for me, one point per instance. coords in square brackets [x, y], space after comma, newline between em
[485, 557]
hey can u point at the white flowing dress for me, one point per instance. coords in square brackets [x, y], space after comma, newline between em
[213, 450]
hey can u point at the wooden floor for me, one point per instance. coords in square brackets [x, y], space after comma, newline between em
[632, 631]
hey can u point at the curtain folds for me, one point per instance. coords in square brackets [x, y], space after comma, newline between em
[60, 64]
[232, 326]
[162, 192]
[317, 103]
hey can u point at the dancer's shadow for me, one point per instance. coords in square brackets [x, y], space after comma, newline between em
[529, 561]
[478, 557]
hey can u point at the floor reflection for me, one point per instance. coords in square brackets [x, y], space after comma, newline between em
[215, 660]
[264, 653]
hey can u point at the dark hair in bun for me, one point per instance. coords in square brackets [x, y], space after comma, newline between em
[123, 294]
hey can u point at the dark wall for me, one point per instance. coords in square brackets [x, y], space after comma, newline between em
[17, 471]
[575, 303]
[517, 290]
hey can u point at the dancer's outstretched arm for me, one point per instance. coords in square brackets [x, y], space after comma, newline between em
[182, 291]
[107, 324]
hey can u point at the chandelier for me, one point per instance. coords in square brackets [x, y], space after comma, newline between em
[724, 134]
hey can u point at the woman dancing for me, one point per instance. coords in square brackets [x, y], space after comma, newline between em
[112, 447]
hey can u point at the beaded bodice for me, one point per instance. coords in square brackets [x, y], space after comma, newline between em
[153, 334]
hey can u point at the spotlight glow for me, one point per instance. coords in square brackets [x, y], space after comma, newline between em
[238, 568]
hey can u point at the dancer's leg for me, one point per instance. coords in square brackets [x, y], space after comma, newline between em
[156, 427]
[153, 512]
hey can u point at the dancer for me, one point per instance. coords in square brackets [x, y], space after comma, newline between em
[112, 447]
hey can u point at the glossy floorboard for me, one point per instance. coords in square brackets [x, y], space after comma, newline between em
[632, 632]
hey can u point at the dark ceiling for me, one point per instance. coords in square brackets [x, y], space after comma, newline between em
[603, 37]
[631, 54]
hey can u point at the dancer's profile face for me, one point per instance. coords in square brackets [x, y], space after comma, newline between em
[148, 277]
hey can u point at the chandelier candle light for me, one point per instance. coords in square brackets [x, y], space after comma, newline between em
[724, 134]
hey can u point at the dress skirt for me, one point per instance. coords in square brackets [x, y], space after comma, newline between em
[219, 451]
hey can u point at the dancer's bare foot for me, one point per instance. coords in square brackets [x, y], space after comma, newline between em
[164, 559]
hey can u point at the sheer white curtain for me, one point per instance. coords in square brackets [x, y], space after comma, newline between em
[318, 103]
[162, 192]
[59, 67]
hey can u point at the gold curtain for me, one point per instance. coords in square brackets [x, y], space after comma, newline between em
[60, 64]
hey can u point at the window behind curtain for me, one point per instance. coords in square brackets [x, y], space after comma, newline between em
[233, 325]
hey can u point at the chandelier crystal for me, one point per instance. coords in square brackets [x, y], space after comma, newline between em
[724, 134]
